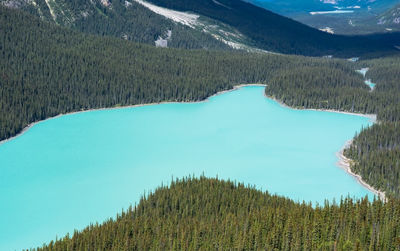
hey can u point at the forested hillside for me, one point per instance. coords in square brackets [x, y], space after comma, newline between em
[210, 214]
[376, 151]
[240, 24]
[362, 17]
[273, 32]
[376, 155]
[47, 70]
[390, 18]
[119, 18]
[310, 88]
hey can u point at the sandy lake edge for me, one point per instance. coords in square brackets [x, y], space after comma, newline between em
[345, 163]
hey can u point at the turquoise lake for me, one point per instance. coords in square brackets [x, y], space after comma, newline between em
[67, 172]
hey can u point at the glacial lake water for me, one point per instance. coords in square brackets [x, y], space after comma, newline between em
[67, 172]
[368, 82]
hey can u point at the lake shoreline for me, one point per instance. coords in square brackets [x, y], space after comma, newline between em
[29, 126]
[372, 117]
[343, 162]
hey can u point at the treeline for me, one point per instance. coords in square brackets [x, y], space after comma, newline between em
[376, 151]
[386, 72]
[211, 214]
[46, 70]
[343, 93]
[123, 19]
[321, 87]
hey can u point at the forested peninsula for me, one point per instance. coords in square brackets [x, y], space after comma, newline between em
[211, 214]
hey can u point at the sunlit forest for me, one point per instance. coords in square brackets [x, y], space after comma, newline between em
[47, 69]
[211, 214]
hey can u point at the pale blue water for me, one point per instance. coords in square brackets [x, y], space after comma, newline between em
[67, 172]
[370, 84]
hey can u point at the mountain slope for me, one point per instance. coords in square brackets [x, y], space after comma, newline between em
[345, 17]
[47, 70]
[119, 18]
[272, 32]
[210, 214]
[390, 19]
[211, 25]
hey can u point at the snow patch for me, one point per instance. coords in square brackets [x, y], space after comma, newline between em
[163, 42]
[127, 4]
[14, 4]
[177, 16]
[353, 7]
[220, 32]
[331, 12]
[381, 21]
[53, 14]
[85, 14]
[105, 3]
[363, 71]
[347, 7]
[328, 30]
[355, 59]
[329, 1]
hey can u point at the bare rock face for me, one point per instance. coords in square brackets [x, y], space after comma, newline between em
[15, 4]
[163, 42]
[105, 3]
[390, 17]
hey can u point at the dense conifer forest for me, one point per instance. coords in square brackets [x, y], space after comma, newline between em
[313, 88]
[47, 70]
[210, 214]
[376, 151]
[126, 20]
[258, 28]
[376, 155]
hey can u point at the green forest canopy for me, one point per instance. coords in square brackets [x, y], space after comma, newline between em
[46, 70]
[211, 214]
[131, 21]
